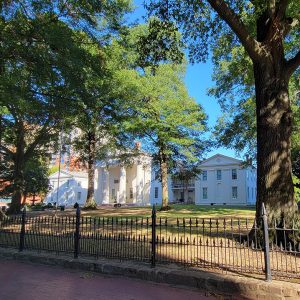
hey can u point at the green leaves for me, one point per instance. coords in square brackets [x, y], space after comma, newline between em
[162, 43]
[166, 117]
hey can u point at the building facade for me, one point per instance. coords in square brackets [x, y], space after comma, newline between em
[67, 188]
[223, 181]
[125, 184]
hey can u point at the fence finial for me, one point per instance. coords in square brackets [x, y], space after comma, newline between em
[263, 210]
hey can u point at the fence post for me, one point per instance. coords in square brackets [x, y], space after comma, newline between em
[22, 232]
[153, 227]
[77, 233]
[266, 244]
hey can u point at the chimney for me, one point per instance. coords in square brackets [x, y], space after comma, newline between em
[138, 145]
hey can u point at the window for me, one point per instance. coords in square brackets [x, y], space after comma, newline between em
[204, 193]
[234, 174]
[116, 181]
[131, 193]
[234, 192]
[68, 183]
[78, 196]
[156, 193]
[79, 183]
[219, 175]
[204, 175]
[248, 193]
[113, 194]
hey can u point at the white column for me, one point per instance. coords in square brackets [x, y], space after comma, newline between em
[105, 191]
[139, 180]
[122, 185]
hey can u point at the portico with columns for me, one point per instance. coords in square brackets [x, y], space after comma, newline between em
[124, 184]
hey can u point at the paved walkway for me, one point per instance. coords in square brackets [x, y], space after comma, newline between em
[24, 281]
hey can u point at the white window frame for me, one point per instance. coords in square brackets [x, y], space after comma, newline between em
[205, 194]
[234, 195]
[78, 196]
[156, 192]
[219, 172]
[234, 174]
[204, 175]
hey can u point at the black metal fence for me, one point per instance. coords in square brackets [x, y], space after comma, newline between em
[231, 245]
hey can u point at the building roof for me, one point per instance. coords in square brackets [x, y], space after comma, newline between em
[69, 174]
[220, 159]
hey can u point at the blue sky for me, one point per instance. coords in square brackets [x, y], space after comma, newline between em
[198, 81]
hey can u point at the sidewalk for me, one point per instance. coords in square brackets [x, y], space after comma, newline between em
[219, 284]
[25, 281]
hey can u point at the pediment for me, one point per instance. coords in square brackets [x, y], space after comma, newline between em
[220, 160]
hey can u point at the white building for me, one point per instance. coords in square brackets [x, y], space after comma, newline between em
[72, 188]
[225, 180]
[117, 183]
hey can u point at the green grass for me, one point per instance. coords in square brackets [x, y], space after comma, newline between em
[176, 211]
[191, 210]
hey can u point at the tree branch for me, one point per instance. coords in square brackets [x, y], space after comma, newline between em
[293, 64]
[281, 8]
[5, 149]
[42, 135]
[231, 18]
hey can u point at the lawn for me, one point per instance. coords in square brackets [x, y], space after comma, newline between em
[177, 211]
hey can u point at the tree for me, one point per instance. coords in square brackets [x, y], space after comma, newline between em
[36, 179]
[41, 67]
[168, 120]
[101, 109]
[185, 172]
[268, 31]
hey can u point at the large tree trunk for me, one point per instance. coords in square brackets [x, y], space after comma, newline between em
[274, 127]
[91, 168]
[18, 182]
[164, 177]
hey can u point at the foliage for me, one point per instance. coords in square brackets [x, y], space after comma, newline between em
[265, 36]
[43, 60]
[36, 178]
[53, 170]
[169, 122]
[296, 182]
[167, 116]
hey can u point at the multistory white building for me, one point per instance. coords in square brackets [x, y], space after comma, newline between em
[223, 181]
[119, 183]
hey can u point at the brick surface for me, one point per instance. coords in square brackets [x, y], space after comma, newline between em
[236, 286]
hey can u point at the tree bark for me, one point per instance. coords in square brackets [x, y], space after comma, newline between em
[274, 124]
[19, 161]
[164, 177]
[91, 168]
[274, 128]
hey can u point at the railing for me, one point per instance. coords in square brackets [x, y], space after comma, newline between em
[231, 245]
[182, 184]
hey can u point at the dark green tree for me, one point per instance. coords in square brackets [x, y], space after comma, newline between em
[168, 120]
[268, 31]
[41, 67]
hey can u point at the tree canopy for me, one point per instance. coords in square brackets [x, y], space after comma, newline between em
[268, 32]
[168, 121]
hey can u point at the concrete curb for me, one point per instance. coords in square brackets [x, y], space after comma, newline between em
[214, 283]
